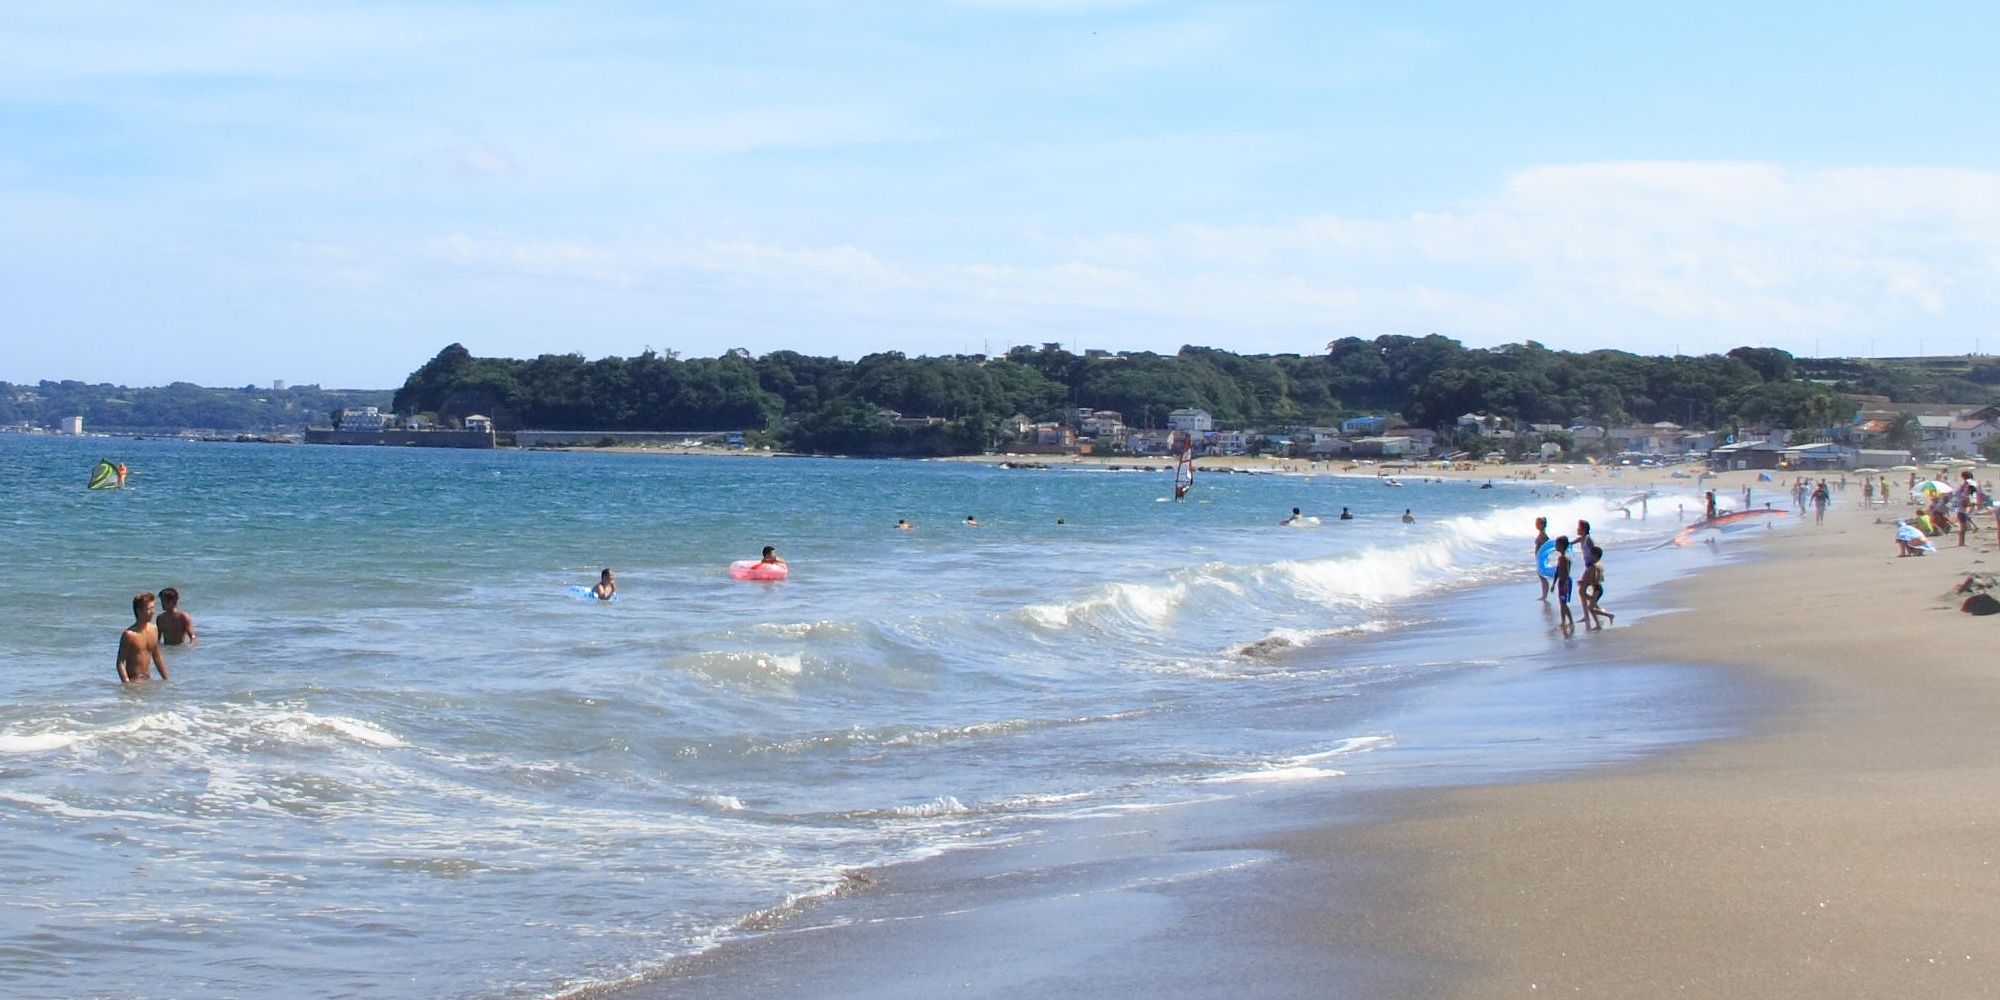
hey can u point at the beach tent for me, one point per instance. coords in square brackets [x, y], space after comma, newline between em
[1763, 477]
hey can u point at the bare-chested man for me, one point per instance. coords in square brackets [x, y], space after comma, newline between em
[140, 643]
[176, 626]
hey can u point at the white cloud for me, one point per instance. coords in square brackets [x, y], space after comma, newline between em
[1648, 255]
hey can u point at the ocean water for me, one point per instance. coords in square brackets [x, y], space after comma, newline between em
[405, 761]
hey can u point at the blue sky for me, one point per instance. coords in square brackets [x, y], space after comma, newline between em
[231, 193]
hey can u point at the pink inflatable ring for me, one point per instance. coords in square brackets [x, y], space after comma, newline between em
[751, 569]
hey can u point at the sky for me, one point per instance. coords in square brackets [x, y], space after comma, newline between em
[231, 193]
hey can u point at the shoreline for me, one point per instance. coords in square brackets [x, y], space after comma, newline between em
[1839, 844]
[1575, 475]
[1846, 847]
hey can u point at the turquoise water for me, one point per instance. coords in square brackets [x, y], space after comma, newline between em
[405, 761]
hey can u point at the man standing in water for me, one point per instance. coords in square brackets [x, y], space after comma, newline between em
[139, 644]
[176, 626]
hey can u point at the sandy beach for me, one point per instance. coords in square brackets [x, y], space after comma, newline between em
[1850, 848]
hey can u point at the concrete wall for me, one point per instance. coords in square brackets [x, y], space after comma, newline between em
[408, 439]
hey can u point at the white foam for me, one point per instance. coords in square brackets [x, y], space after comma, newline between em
[1277, 774]
[943, 805]
[36, 742]
[720, 803]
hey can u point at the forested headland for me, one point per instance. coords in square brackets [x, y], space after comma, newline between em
[825, 404]
[181, 406]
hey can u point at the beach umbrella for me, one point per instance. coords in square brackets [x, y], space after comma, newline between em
[1930, 486]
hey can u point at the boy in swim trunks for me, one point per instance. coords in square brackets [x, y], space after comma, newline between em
[176, 626]
[139, 644]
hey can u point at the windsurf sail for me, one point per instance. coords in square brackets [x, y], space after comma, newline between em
[1184, 466]
[1723, 522]
[105, 476]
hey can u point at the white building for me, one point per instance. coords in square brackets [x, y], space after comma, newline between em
[1229, 443]
[1190, 420]
[360, 418]
[477, 422]
[73, 426]
[1103, 423]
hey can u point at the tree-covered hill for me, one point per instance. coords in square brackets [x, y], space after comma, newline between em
[828, 404]
[178, 407]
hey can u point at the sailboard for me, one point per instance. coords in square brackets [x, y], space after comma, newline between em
[1723, 522]
[105, 476]
[1612, 503]
[1184, 466]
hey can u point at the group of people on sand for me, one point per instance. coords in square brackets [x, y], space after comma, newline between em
[1941, 510]
[1588, 586]
[139, 645]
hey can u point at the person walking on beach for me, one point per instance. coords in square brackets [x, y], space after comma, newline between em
[176, 626]
[1541, 539]
[1590, 586]
[1821, 496]
[139, 644]
[1711, 506]
[1966, 498]
[1567, 622]
[607, 587]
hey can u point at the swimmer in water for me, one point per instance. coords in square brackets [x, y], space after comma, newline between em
[1294, 519]
[176, 626]
[902, 525]
[770, 557]
[139, 644]
[606, 586]
[121, 475]
[971, 522]
[1409, 518]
